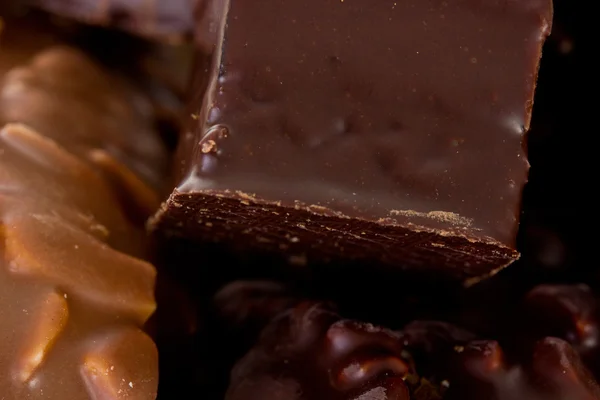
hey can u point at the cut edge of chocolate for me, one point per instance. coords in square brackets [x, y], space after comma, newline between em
[450, 250]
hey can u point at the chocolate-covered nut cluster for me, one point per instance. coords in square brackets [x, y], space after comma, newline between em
[480, 369]
[566, 311]
[310, 352]
[72, 305]
[552, 371]
[80, 162]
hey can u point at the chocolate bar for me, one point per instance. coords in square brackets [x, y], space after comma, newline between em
[78, 159]
[170, 20]
[391, 132]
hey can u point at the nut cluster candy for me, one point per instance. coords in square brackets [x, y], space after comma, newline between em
[78, 158]
[309, 352]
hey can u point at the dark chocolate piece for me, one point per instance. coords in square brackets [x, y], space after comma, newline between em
[164, 19]
[73, 296]
[387, 131]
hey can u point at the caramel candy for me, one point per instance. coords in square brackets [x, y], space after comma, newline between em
[63, 288]
[77, 155]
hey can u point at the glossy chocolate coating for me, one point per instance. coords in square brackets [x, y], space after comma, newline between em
[311, 353]
[164, 19]
[552, 371]
[566, 311]
[73, 298]
[308, 352]
[387, 131]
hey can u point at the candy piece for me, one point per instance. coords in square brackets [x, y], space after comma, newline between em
[98, 111]
[553, 372]
[60, 280]
[50, 320]
[381, 131]
[569, 312]
[116, 366]
[309, 352]
[73, 297]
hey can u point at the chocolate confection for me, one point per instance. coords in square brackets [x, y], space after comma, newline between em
[170, 20]
[308, 352]
[161, 70]
[553, 371]
[98, 111]
[320, 356]
[390, 131]
[78, 159]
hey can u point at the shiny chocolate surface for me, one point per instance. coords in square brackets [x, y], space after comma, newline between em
[391, 131]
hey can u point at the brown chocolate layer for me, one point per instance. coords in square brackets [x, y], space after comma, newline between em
[388, 131]
[73, 297]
